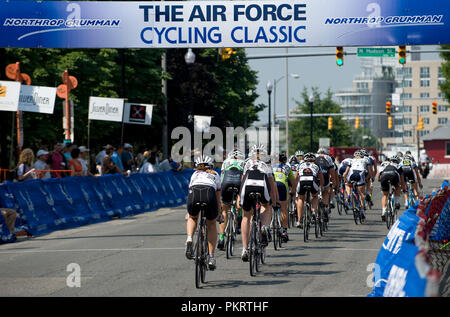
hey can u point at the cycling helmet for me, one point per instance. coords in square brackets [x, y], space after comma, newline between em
[309, 156]
[364, 152]
[322, 150]
[282, 158]
[258, 149]
[299, 153]
[293, 159]
[357, 153]
[399, 154]
[203, 159]
[395, 159]
[236, 154]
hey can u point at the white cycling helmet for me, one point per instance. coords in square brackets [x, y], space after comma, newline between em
[299, 153]
[258, 149]
[236, 154]
[203, 159]
[322, 150]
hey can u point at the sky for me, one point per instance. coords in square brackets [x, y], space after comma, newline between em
[321, 72]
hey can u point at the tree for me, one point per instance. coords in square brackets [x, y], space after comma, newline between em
[340, 135]
[445, 86]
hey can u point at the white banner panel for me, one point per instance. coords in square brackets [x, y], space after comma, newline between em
[136, 113]
[9, 95]
[107, 109]
[202, 123]
[37, 99]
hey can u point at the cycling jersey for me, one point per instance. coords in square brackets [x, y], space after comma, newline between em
[358, 171]
[282, 176]
[325, 163]
[407, 166]
[308, 178]
[343, 165]
[206, 178]
[389, 172]
[256, 179]
[231, 178]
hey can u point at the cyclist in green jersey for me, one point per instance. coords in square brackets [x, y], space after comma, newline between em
[285, 179]
[231, 176]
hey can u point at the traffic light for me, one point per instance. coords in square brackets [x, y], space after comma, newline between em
[339, 55]
[226, 53]
[330, 123]
[434, 107]
[388, 107]
[420, 124]
[389, 122]
[357, 123]
[402, 54]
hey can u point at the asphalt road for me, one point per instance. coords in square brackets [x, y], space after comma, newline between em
[143, 255]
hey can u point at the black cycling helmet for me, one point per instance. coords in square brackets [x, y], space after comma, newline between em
[309, 156]
[282, 158]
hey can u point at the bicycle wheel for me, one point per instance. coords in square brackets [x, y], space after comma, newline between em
[275, 232]
[388, 214]
[198, 258]
[252, 249]
[305, 217]
[339, 204]
[228, 231]
[355, 209]
[204, 253]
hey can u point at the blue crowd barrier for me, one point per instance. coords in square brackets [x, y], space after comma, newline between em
[53, 204]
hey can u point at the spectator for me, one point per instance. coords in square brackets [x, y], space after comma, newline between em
[127, 157]
[140, 157]
[68, 147]
[116, 157]
[150, 165]
[108, 165]
[175, 166]
[41, 164]
[57, 160]
[155, 153]
[99, 159]
[75, 165]
[84, 162]
[24, 170]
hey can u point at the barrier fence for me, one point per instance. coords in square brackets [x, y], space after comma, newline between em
[53, 204]
[413, 260]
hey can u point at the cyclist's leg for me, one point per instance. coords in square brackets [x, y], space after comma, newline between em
[314, 202]
[223, 226]
[212, 235]
[300, 202]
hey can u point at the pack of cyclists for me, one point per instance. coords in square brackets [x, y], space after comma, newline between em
[283, 179]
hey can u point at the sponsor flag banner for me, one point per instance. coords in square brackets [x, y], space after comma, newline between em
[107, 109]
[9, 95]
[202, 123]
[169, 24]
[138, 113]
[37, 99]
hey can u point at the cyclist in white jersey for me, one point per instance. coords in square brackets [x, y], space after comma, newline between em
[204, 187]
[357, 172]
[257, 177]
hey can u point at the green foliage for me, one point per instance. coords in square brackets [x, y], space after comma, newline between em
[445, 86]
[299, 129]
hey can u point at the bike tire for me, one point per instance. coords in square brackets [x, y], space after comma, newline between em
[198, 259]
[257, 248]
[251, 250]
[204, 254]
[275, 233]
[306, 223]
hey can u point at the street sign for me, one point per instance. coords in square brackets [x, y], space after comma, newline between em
[375, 52]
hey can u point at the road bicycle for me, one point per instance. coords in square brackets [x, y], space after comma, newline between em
[231, 228]
[256, 249]
[308, 218]
[342, 204]
[292, 212]
[323, 225]
[201, 246]
[391, 211]
[355, 203]
[411, 195]
[276, 228]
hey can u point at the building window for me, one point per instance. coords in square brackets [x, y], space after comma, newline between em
[424, 95]
[424, 108]
[441, 95]
[424, 72]
[440, 82]
[424, 83]
[442, 108]
[405, 96]
[447, 148]
[407, 133]
[440, 75]
[442, 120]
[407, 83]
[406, 109]
[426, 120]
[424, 132]
[407, 120]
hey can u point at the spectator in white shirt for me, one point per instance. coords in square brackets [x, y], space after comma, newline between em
[83, 158]
[41, 164]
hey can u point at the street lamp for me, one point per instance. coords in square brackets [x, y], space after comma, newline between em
[311, 101]
[189, 57]
[269, 87]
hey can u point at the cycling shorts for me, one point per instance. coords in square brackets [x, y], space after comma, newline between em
[357, 176]
[202, 194]
[231, 178]
[409, 175]
[342, 170]
[254, 181]
[282, 191]
[387, 177]
[308, 183]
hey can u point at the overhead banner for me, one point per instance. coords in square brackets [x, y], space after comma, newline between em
[138, 113]
[37, 99]
[169, 24]
[9, 95]
[107, 109]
